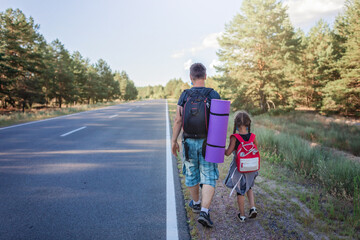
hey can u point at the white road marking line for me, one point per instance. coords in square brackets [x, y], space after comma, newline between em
[171, 219]
[114, 116]
[68, 133]
[129, 110]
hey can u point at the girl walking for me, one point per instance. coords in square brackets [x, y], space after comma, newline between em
[241, 182]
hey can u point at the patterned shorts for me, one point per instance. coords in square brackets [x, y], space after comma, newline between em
[195, 168]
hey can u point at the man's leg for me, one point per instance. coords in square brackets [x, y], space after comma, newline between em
[192, 173]
[194, 192]
[207, 194]
[208, 175]
[191, 168]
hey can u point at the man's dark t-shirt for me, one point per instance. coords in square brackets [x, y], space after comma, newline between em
[212, 95]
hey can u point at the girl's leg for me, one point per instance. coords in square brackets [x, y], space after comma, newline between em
[241, 204]
[250, 196]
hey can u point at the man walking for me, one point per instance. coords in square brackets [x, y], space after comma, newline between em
[191, 116]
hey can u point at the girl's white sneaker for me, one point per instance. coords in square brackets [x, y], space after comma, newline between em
[241, 218]
[253, 212]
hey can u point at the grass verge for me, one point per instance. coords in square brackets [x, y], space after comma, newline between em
[315, 128]
[336, 173]
[19, 117]
[298, 208]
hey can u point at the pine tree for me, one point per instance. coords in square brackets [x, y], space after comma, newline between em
[5, 68]
[79, 69]
[108, 88]
[48, 72]
[122, 78]
[256, 49]
[344, 94]
[32, 71]
[21, 61]
[131, 91]
[315, 66]
[92, 88]
[62, 85]
[128, 90]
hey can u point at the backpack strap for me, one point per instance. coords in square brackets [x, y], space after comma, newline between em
[238, 137]
[188, 92]
[241, 140]
[252, 137]
[208, 91]
[249, 147]
[191, 91]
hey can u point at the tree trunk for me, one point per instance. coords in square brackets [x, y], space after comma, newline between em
[263, 102]
[60, 101]
[23, 106]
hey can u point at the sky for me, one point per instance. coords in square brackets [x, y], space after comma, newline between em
[153, 41]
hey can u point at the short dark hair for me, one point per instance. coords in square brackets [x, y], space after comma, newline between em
[198, 71]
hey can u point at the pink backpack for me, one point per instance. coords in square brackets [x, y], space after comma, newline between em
[247, 155]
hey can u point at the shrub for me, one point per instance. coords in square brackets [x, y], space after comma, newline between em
[315, 128]
[336, 173]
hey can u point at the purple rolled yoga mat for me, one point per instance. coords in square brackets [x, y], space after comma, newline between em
[218, 125]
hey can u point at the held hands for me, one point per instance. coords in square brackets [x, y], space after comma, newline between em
[175, 148]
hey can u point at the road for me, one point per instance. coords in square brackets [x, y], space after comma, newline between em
[94, 175]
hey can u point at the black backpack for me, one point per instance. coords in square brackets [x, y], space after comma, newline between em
[196, 113]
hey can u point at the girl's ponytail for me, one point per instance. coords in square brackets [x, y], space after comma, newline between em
[234, 127]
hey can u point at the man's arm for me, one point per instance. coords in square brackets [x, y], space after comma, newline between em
[176, 131]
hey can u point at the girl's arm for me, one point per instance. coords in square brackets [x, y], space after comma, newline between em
[256, 142]
[231, 147]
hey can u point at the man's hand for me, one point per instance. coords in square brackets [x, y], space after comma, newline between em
[175, 148]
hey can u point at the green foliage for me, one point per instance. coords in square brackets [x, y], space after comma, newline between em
[20, 59]
[265, 65]
[314, 128]
[63, 79]
[337, 174]
[343, 94]
[357, 198]
[109, 88]
[33, 71]
[315, 66]
[79, 67]
[172, 89]
[128, 91]
[257, 52]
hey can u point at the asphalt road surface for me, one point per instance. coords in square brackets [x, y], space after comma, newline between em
[94, 175]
